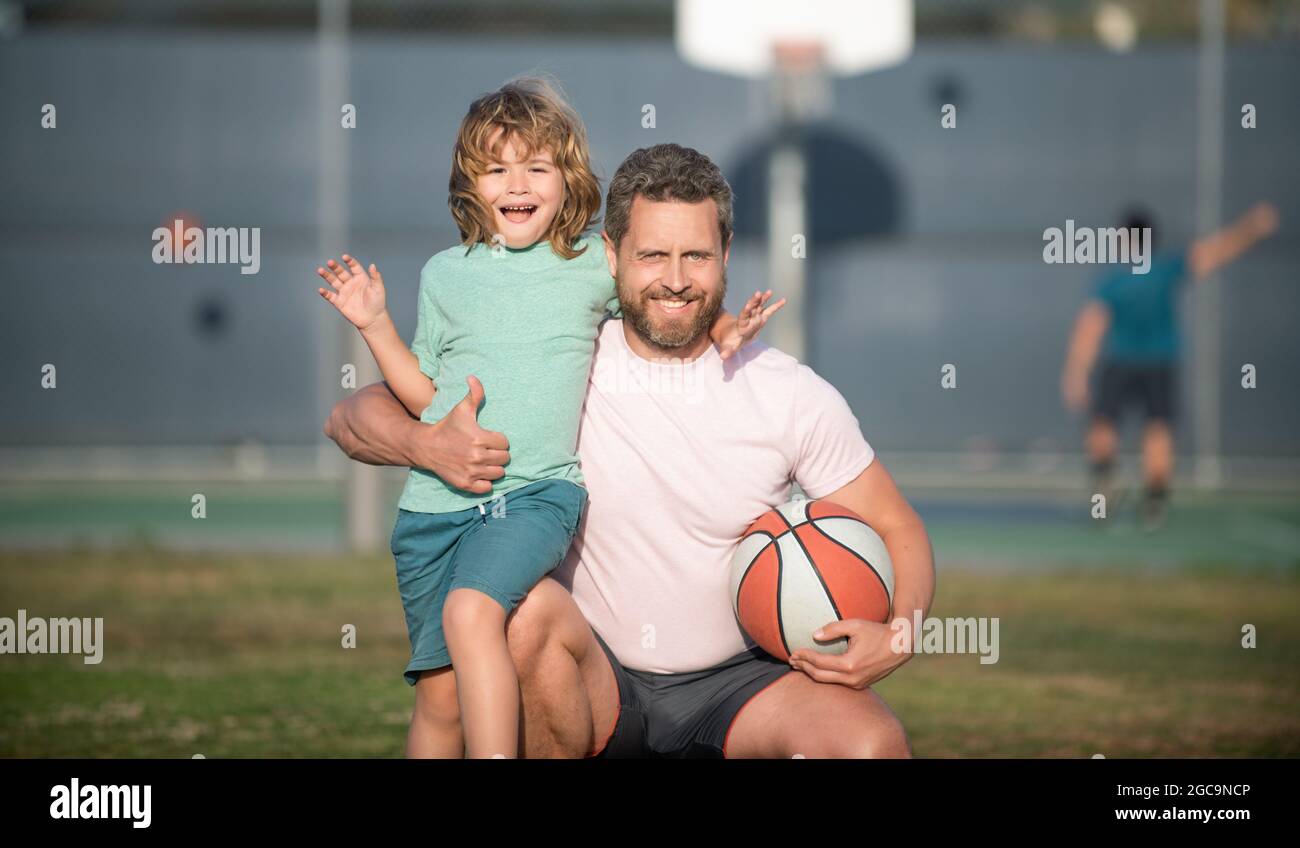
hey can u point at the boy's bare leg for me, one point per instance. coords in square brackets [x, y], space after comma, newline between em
[486, 684]
[1102, 441]
[1157, 453]
[435, 723]
[1157, 469]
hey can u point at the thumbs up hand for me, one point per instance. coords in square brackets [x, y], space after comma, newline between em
[462, 453]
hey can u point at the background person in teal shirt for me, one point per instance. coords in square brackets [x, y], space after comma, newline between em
[1130, 328]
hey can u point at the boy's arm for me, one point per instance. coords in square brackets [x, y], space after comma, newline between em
[1085, 343]
[400, 367]
[1212, 252]
[359, 296]
[730, 333]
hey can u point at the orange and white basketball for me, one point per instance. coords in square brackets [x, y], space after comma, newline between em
[803, 565]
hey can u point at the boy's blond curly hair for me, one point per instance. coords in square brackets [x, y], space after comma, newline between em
[533, 114]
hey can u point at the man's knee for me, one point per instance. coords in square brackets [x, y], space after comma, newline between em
[819, 721]
[884, 739]
[539, 623]
[880, 738]
[550, 642]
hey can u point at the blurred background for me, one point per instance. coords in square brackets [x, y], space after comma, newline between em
[924, 248]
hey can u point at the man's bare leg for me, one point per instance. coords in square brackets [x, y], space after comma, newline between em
[435, 723]
[796, 715]
[570, 697]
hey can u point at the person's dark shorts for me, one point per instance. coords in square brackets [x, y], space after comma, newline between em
[1122, 384]
[502, 549]
[687, 714]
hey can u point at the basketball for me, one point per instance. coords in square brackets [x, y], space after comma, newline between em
[803, 565]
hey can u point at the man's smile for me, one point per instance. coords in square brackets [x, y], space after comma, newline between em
[674, 306]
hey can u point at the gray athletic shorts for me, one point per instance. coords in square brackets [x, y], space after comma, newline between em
[687, 714]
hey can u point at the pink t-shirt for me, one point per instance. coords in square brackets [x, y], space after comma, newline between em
[679, 459]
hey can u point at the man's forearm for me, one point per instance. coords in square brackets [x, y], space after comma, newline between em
[913, 560]
[373, 427]
[874, 496]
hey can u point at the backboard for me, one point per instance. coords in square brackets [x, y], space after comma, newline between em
[742, 38]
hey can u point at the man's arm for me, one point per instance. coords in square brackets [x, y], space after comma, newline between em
[874, 496]
[373, 427]
[870, 657]
[1085, 343]
[1212, 252]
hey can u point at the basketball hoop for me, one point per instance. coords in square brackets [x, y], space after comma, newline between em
[797, 47]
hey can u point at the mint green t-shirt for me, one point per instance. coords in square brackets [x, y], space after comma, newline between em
[525, 323]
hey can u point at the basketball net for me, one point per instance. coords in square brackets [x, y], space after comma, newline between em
[801, 88]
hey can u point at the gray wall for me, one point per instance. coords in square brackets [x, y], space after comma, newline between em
[225, 126]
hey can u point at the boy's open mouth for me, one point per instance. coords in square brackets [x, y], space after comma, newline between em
[518, 214]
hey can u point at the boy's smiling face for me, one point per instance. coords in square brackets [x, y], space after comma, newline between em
[524, 194]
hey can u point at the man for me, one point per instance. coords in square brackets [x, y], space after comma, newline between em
[681, 452]
[1136, 316]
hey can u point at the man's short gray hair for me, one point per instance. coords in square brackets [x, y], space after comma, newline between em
[666, 172]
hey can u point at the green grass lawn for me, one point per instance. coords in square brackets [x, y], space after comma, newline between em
[241, 656]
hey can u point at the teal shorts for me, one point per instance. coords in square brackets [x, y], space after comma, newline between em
[502, 548]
